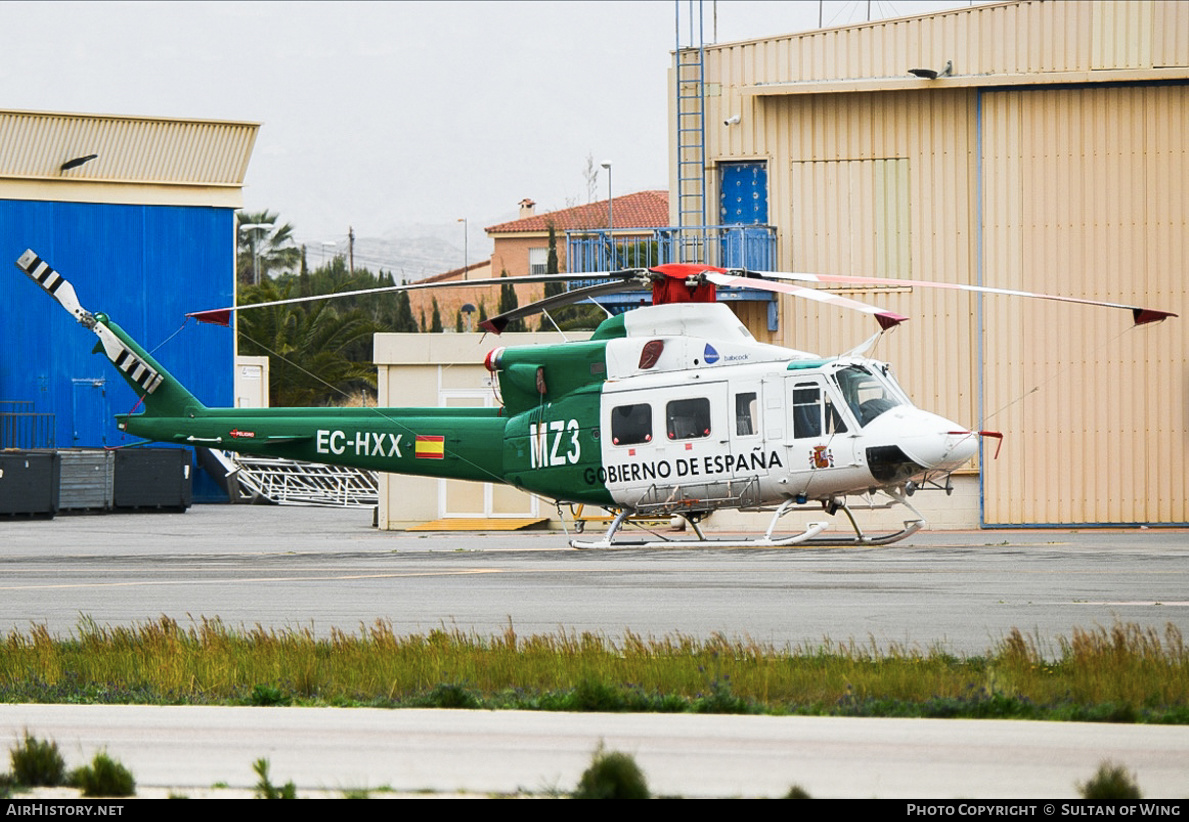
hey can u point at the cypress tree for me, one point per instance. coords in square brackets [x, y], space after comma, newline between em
[509, 302]
[435, 323]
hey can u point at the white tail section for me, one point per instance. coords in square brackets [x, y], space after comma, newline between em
[61, 290]
[55, 285]
[122, 357]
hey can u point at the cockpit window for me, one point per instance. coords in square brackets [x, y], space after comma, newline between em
[814, 412]
[866, 394]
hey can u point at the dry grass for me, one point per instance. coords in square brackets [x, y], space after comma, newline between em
[1122, 673]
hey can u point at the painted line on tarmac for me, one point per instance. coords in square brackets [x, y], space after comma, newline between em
[1174, 603]
[142, 583]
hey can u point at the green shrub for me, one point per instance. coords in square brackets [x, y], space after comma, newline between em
[265, 696]
[797, 792]
[1110, 782]
[37, 764]
[265, 789]
[594, 695]
[612, 775]
[104, 777]
[721, 700]
[452, 695]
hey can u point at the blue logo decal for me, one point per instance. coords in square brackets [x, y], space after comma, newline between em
[710, 355]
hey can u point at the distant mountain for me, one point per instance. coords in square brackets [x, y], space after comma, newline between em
[413, 252]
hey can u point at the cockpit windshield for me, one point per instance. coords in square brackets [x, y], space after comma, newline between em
[868, 393]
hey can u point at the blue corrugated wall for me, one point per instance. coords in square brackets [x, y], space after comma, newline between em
[145, 267]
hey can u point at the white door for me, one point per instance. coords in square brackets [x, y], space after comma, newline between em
[464, 499]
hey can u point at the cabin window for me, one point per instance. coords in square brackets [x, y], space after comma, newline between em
[814, 413]
[865, 393]
[631, 424]
[807, 411]
[688, 419]
[745, 414]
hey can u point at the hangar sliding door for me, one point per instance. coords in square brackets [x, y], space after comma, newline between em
[1083, 195]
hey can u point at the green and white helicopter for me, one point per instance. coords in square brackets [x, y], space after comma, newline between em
[668, 410]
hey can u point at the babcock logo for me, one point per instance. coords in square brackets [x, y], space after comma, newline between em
[710, 355]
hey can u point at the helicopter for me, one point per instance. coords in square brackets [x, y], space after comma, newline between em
[667, 410]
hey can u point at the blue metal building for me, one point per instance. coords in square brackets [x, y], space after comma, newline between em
[139, 214]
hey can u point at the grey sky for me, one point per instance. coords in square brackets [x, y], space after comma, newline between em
[379, 115]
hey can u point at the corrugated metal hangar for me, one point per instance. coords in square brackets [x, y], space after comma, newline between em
[139, 214]
[1027, 145]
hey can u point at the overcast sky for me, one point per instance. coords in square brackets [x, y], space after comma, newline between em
[380, 115]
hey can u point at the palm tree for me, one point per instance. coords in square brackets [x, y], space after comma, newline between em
[274, 247]
[309, 346]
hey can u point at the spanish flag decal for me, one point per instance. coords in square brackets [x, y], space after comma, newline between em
[430, 448]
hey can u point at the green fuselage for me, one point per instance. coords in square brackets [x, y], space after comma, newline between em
[522, 444]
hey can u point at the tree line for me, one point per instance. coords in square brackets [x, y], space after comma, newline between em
[320, 352]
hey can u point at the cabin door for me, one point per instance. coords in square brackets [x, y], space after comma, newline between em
[748, 422]
[817, 440]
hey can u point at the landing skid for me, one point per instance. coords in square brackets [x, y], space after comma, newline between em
[810, 536]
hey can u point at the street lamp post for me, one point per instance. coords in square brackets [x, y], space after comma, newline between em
[252, 228]
[465, 240]
[610, 217]
[610, 220]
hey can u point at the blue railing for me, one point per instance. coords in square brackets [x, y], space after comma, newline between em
[725, 246]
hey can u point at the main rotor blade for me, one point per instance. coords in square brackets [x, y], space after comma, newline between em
[886, 319]
[1139, 315]
[497, 324]
[222, 316]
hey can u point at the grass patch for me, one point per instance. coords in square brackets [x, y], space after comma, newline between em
[1110, 781]
[104, 777]
[268, 696]
[265, 789]
[612, 775]
[1120, 674]
[37, 763]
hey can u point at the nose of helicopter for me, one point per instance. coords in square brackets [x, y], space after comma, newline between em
[919, 442]
[936, 443]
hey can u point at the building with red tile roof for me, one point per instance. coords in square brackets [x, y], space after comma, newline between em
[521, 246]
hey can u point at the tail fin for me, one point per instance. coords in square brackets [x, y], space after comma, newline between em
[161, 392]
[163, 395]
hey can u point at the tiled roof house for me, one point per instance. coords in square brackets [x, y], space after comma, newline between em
[521, 246]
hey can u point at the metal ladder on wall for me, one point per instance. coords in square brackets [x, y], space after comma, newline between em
[690, 91]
